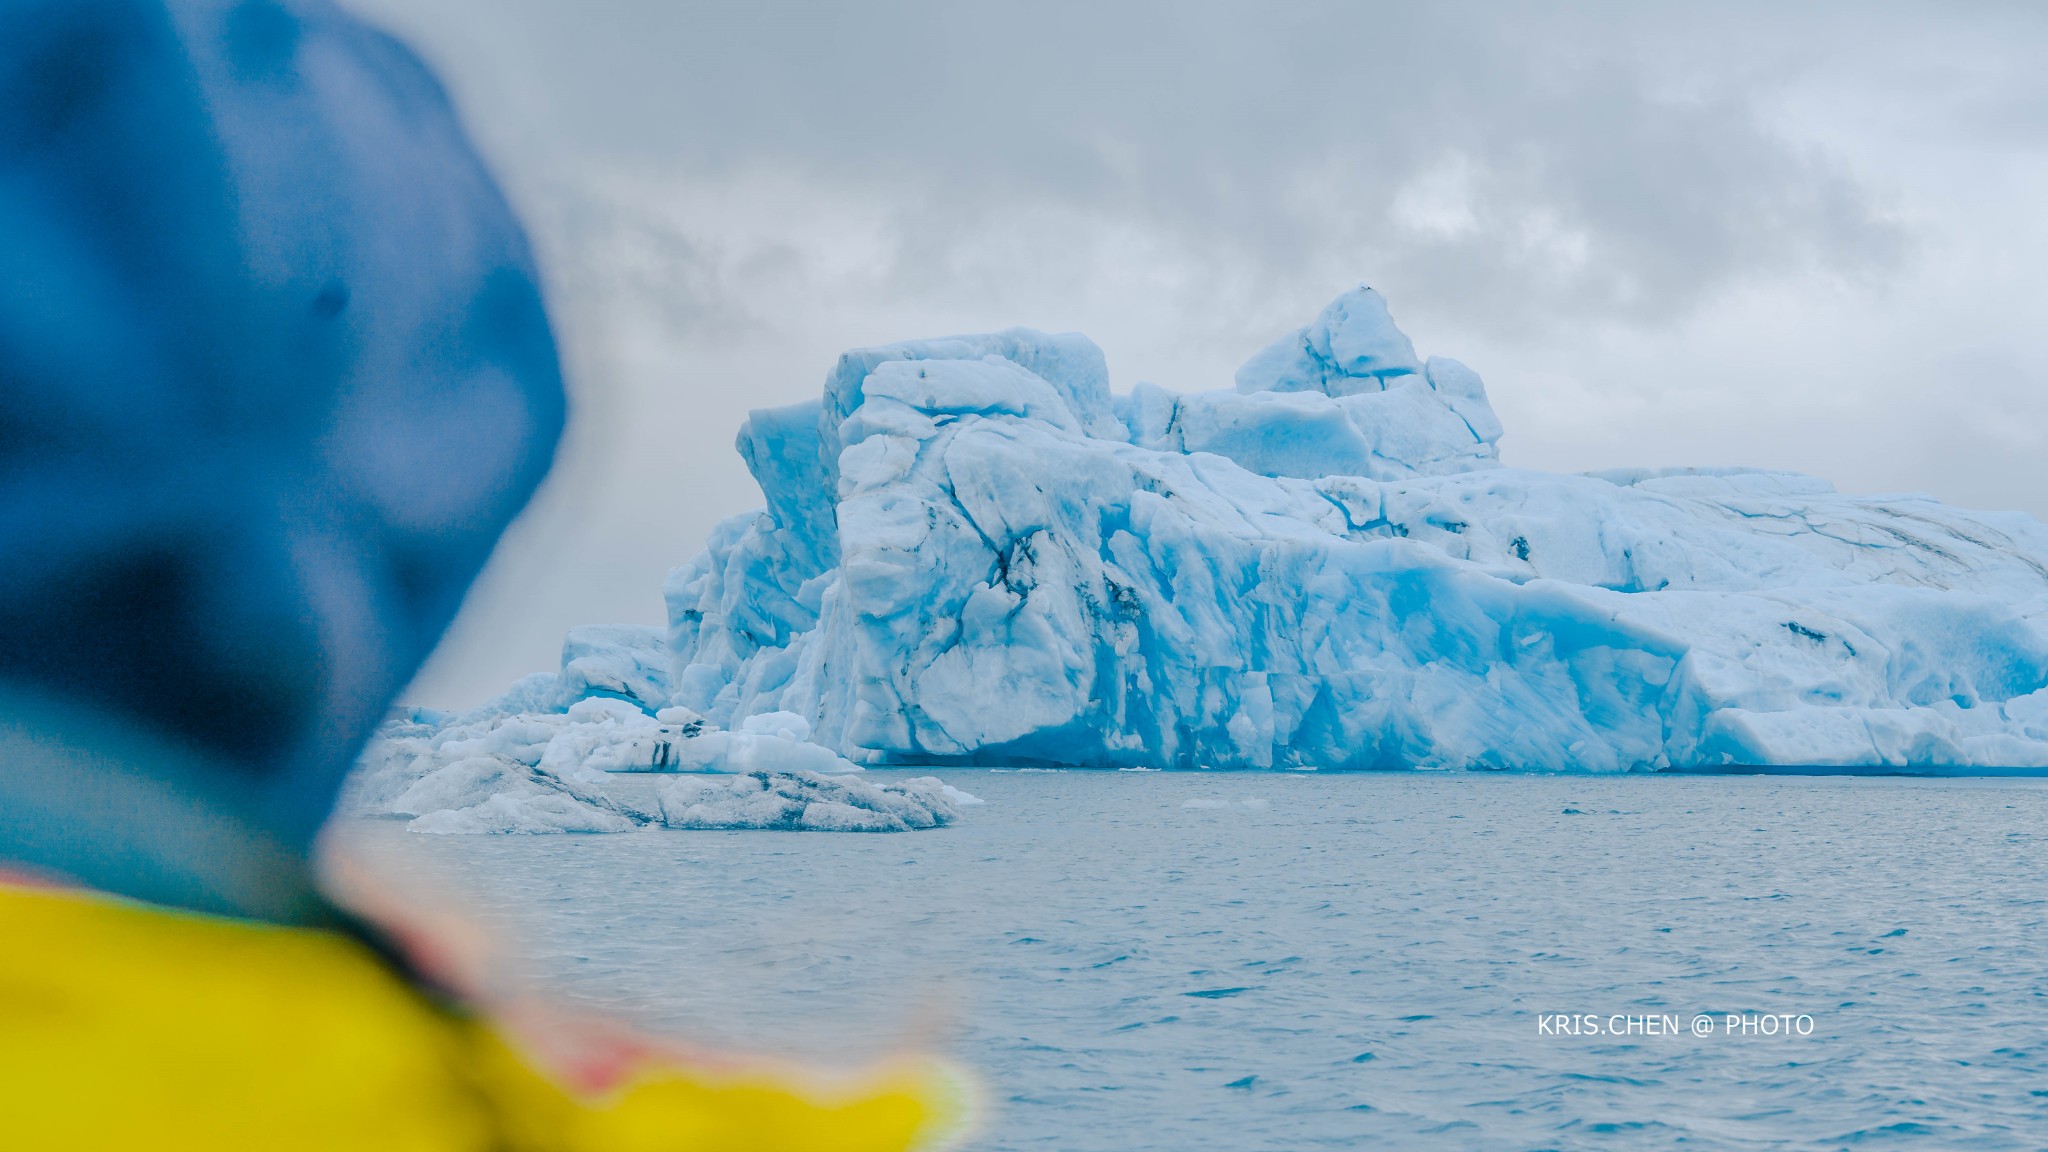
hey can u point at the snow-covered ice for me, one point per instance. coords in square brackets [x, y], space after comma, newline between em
[525, 772]
[541, 774]
[806, 802]
[973, 553]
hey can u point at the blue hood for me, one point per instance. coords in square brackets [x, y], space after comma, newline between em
[275, 373]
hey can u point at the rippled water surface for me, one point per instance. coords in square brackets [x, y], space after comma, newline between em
[1197, 961]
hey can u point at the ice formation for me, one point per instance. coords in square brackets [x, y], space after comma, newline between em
[548, 772]
[972, 553]
[807, 802]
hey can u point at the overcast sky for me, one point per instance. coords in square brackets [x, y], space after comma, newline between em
[1809, 238]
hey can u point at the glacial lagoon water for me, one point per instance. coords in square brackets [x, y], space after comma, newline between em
[1275, 961]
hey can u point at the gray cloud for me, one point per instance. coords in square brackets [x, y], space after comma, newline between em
[1284, 135]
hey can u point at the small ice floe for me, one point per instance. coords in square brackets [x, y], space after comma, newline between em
[499, 771]
[495, 794]
[1211, 803]
[809, 802]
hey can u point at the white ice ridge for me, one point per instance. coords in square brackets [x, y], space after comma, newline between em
[806, 802]
[551, 772]
[972, 553]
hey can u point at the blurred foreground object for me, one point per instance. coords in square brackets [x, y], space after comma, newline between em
[160, 1029]
[275, 372]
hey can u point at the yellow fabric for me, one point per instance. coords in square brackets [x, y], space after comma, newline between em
[124, 1026]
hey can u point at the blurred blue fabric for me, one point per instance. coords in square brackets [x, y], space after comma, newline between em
[275, 373]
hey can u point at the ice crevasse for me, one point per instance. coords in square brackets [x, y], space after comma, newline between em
[974, 553]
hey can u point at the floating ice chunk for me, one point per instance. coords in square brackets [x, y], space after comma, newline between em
[483, 794]
[535, 814]
[806, 802]
[414, 769]
[462, 783]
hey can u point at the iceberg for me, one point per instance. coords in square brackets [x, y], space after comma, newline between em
[534, 773]
[973, 553]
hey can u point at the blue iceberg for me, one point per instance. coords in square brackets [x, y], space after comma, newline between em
[974, 553]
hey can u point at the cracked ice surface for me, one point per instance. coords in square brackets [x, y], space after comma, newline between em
[541, 773]
[973, 553]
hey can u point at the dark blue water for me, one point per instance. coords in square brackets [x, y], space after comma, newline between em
[1353, 961]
